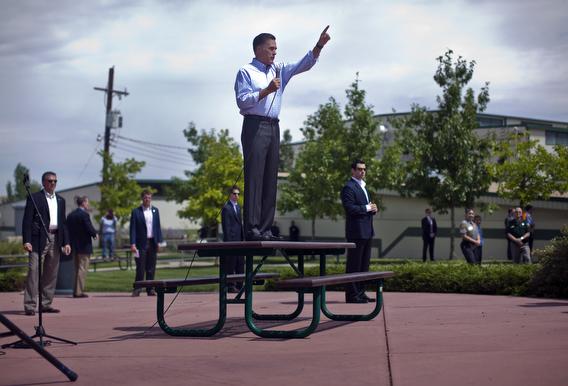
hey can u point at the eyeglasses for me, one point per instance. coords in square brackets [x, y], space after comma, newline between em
[52, 181]
[361, 169]
[236, 193]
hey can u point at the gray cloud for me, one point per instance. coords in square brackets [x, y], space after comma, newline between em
[179, 58]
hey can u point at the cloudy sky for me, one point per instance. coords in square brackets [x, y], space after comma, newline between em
[178, 60]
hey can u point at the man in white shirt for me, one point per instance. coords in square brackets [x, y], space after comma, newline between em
[46, 242]
[145, 237]
[359, 212]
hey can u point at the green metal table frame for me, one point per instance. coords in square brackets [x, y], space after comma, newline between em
[250, 249]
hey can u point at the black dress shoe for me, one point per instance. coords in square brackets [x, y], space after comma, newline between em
[368, 299]
[151, 293]
[50, 310]
[355, 300]
[30, 312]
[83, 295]
[257, 237]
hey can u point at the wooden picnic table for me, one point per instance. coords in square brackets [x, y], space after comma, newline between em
[300, 284]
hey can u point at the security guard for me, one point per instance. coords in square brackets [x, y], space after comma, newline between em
[519, 234]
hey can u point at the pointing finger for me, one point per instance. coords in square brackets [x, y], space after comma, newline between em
[325, 30]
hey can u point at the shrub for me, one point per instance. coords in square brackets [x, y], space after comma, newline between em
[11, 248]
[551, 280]
[12, 280]
[447, 277]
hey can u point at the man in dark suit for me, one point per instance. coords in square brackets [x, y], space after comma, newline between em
[429, 231]
[359, 212]
[38, 244]
[81, 233]
[232, 224]
[145, 237]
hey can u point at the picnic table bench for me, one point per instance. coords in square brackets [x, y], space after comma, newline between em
[171, 286]
[313, 284]
[21, 261]
[124, 261]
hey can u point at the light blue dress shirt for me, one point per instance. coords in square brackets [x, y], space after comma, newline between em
[256, 76]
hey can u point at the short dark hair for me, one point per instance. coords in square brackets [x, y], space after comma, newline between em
[260, 39]
[145, 192]
[357, 161]
[80, 200]
[44, 175]
[233, 188]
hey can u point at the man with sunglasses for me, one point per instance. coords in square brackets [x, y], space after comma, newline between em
[232, 224]
[51, 208]
[359, 212]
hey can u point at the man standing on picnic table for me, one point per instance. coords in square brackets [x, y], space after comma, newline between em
[258, 90]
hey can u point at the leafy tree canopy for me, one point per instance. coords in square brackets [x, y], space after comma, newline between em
[218, 167]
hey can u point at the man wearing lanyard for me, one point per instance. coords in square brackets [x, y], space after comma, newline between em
[359, 212]
[38, 244]
[145, 237]
[258, 90]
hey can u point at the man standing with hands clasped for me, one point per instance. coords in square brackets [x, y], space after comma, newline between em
[38, 244]
[145, 237]
[359, 212]
[258, 91]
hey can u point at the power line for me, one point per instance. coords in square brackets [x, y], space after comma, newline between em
[157, 152]
[89, 160]
[146, 152]
[142, 154]
[153, 143]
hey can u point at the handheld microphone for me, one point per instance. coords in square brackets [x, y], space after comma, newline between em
[277, 71]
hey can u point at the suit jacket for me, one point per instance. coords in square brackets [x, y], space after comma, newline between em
[138, 231]
[232, 223]
[81, 231]
[358, 222]
[426, 228]
[32, 230]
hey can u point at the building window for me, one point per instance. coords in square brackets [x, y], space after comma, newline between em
[556, 138]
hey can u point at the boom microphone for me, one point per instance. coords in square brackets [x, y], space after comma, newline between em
[26, 179]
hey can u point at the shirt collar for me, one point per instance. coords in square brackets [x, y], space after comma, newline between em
[260, 66]
[360, 182]
[48, 195]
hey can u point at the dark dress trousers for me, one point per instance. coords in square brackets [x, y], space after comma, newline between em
[81, 232]
[33, 233]
[232, 225]
[147, 247]
[358, 230]
[427, 240]
[261, 146]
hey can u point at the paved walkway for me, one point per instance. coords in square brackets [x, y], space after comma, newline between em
[419, 339]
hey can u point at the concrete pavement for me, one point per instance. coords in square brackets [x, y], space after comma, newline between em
[419, 339]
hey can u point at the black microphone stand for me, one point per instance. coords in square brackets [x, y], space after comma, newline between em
[40, 331]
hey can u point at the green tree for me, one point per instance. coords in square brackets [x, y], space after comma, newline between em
[16, 191]
[332, 142]
[121, 192]
[218, 167]
[443, 159]
[286, 152]
[527, 171]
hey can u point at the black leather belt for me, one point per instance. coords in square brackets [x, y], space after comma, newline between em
[262, 118]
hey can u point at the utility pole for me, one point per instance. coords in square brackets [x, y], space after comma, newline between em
[110, 92]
